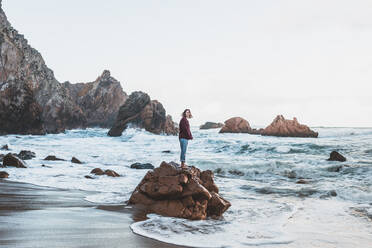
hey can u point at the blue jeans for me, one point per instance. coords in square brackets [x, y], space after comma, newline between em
[183, 144]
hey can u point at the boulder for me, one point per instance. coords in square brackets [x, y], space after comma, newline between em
[111, 173]
[100, 172]
[184, 193]
[76, 161]
[1, 157]
[53, 158]
[236, 125]
[335, 156]
[139, 111]
[211, 125]
[142, 166]
[14, 161]
[26, 155]
[4, 174]
[288, 128]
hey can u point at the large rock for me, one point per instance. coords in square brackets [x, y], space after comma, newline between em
[99, 100]
[335, 156]
[4, 174]
[184, 193]
[288, 128]
[14, 161]
[32, 101]
[211, 125]
[236, 125]
[140, 111]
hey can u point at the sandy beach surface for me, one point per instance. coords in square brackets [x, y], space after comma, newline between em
[34, 216]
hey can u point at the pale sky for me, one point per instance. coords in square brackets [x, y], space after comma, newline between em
[251, 58]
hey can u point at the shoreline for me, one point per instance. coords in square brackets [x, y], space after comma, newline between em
[36, 216]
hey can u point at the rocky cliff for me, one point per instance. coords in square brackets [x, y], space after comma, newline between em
[99, 100]
[31, 97]
[32, 101]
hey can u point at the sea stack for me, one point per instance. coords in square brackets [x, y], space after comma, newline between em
[236, 125]
[142, 112]
[288, 128]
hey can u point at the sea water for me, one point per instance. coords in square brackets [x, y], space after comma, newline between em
[257, 174]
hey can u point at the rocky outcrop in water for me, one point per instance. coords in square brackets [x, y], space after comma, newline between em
[140, 111]
[32, 101]
[236, 125]
[288, 128]
[211, 125]
[13, 161]
[141, 166]
[100, 172]
[99, 100]
[335, 156]
[184, 193]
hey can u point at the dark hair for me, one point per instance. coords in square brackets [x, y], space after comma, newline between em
[184, 112]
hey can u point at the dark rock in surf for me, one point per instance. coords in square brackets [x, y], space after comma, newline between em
[14, 161]
[53, 158]
[97, 171]
[302, 181]
[100, 172]
[4, 174]
[335, 156]
[166, 151]
[88, 177]
[76, 161]
[142, 166]
[26, 155]
[111, 173]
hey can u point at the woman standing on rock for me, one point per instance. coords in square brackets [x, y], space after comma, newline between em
[184, 135]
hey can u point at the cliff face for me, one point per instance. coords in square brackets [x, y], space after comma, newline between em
[100, 100]
[24, 75]
[32, 101]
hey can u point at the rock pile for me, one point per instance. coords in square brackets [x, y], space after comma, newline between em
[185, 193]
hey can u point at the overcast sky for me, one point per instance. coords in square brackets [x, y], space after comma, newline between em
[250, 58]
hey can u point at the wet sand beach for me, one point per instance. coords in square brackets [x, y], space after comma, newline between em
[34, 216]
